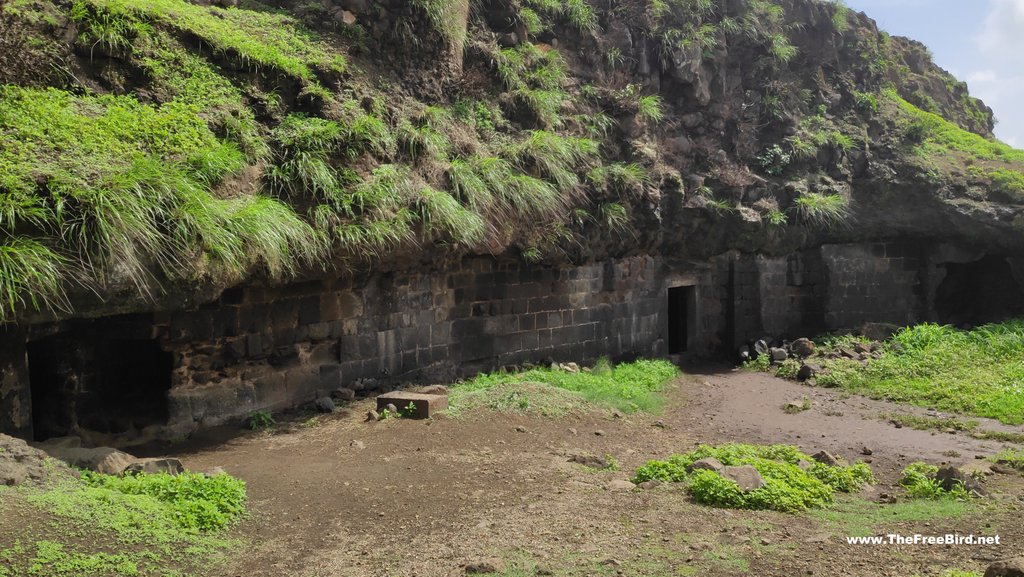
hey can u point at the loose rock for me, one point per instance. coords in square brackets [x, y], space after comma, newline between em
[648, 485]
[343, 394]
[778, 355]
[827, 458]
[372, 415]
[325, 405]
[434, 390]
[485, 566]
[620, 485]
[1006, 568]
[951, 477]
[708, 463]
[746, 476]
[807, 371]
[152, 466]
[802, 347]
[357, 445]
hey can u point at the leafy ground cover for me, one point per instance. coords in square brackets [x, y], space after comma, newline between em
[977, 372]
[790, 486]
[122, 526]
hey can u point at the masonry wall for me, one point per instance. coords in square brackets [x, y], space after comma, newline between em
[270, 348]
[879, 282]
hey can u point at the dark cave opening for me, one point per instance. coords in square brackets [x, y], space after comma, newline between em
[979, 292]
[682, 304]
[111, 386]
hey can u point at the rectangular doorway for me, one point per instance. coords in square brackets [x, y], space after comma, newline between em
[682, 318]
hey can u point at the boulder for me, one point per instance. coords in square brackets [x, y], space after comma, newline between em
[746, 476]
[434, 390]
[106, 460]
[827, 458]
[620, 485]
[708, 463]
[1006, 568]
[778, 354]
[951, 477]
[802, 348]
[878, 331]
[325, 405]
[807, 371]
[153, 466]
[648, 485]
[20, 463]
[343, 394]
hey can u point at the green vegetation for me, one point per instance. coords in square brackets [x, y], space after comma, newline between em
[446, 16]
[790, 486]
[823, 210]
[260, 420]
[976, 372]
[856, 517]
[158, 524]
[930, 423]
[919, 481]
[1012, 457]
[626, 387]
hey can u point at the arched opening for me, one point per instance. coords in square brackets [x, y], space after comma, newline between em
[979, 292]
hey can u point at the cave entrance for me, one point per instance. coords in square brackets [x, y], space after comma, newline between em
[83, 381]
[682, 316]
[52, 389]
[979, 292]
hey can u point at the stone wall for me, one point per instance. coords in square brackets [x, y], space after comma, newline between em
[879, 282]
[270, 348]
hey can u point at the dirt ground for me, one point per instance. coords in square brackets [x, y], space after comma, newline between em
[343, 497]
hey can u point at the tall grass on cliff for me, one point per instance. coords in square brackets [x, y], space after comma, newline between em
[977, 372]
[125, 192]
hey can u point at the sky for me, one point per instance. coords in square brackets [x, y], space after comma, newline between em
[978, 41]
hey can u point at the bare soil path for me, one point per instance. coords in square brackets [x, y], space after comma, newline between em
[425, 498]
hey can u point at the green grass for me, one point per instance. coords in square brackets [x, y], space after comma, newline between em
[789, 488]
[919, 481]
[856, 517]
[627, 387]
[1012, 457]
[823, 210]
[145, 525]
[128, 187]
[257, 38]
[976, 372]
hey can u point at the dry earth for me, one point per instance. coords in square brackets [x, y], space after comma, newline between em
[341, 497]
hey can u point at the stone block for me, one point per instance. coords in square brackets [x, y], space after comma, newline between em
[413, 405]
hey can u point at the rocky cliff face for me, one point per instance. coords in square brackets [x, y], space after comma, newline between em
[154, 153]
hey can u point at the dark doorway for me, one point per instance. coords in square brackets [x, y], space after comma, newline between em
[979, 292]
[52, 387]
[682, 304]
[82, 381]
[130, 391]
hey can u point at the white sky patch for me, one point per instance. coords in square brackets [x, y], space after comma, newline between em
[1001, 82]
[982, 76]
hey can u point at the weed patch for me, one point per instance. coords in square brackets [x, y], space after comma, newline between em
[919, 481]
[551, 392]
[157, 524]
[790, 486]
[976, 372]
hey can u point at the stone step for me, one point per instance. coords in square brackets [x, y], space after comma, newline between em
[426, 406]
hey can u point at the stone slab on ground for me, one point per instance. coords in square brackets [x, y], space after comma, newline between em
[423, 406]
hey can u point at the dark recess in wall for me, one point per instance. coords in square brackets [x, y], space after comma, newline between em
[979, 292]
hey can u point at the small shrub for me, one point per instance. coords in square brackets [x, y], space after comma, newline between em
[774, 160]
[789, 487]
[260, 420]
[197, 501]
[919, 481]
[1011, 457]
